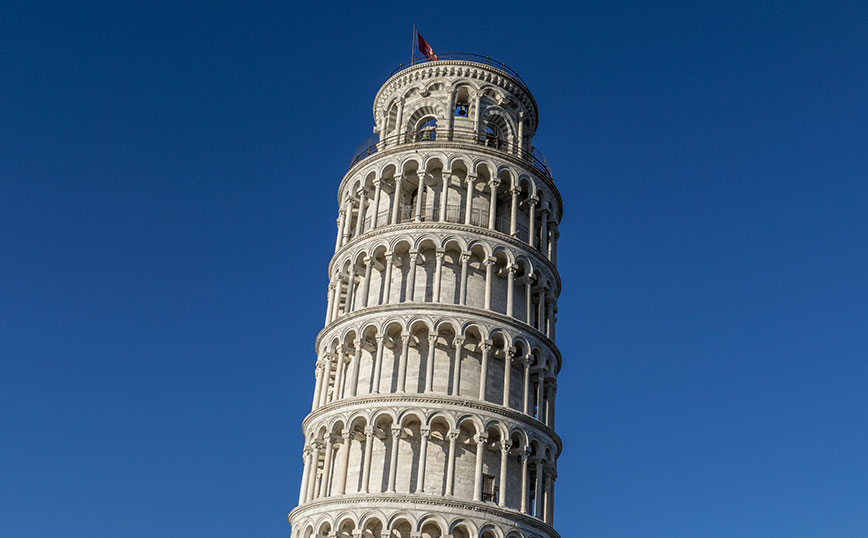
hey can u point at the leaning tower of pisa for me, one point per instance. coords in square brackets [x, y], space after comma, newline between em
[434, 406]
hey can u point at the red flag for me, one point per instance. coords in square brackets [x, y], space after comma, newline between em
[426, 49]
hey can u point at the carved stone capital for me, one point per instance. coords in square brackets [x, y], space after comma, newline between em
[432, 339]
[452, 435]
[505, 445]
[481, 438]
[396, 431]
[425, 432]
[369, 431]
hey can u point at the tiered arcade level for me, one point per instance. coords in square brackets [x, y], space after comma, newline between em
[434, 407]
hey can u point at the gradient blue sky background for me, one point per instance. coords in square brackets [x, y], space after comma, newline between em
[159, 162]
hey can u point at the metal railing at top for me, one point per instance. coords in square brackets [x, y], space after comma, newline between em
[466, 56]
[373, 144]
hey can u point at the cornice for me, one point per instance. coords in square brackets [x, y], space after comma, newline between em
[408, 400]
[414, 309]
[452, 226]
[402, 500]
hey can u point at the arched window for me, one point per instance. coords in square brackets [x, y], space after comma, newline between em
[494, 136]
[426, 129]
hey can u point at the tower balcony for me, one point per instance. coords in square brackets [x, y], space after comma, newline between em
[438, 137]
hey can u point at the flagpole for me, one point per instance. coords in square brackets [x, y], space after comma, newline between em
[413, 46]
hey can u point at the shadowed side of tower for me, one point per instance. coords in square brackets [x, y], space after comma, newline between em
[434, 405]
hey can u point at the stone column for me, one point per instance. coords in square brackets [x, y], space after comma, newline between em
[481, 439]
[524, 480]
[544, 233]
[529, 299]
[550, 404]
[331, 297]
[438, 271]
[505, 445]
[492, 203]
[402, 363]
[513, 211]
[469, 206]
[357, 362]
[538, 500]
[366, 469]
[417, 214]
[547, 495]
[399, 124]
[444, 193]
[396, 203]
[477, 111]
[311, 483]
[483, 374]
[302, 494]
[526, 362]
[348, 220]
[366, 285]
[387, 276]
[489, 276]
[429, 367]
[450, 462]
[550, 317]
[409, 296]
[554, 243]
[378, 189]
[456, 371]
[318, 388]
[351, 282]
[531, 238]
[393, 463]
[521, 133]
[339, 375]
[450, 110]
[360, 220]
[345, 462]
[336, 305]
[510, 290]
[326, 470]
[378, 363]
[424, 433]
[465, 262]
[507, 373]
[541, 396]
[541, 327]
[326, 380]
[341, 216]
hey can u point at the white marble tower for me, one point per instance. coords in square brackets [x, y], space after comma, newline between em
[434, 408]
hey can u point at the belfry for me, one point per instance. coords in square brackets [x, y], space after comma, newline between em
[433, 413]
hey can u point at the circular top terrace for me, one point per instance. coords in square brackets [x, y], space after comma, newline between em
[460, 64]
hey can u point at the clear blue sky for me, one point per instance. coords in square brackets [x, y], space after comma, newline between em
[160, 160]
